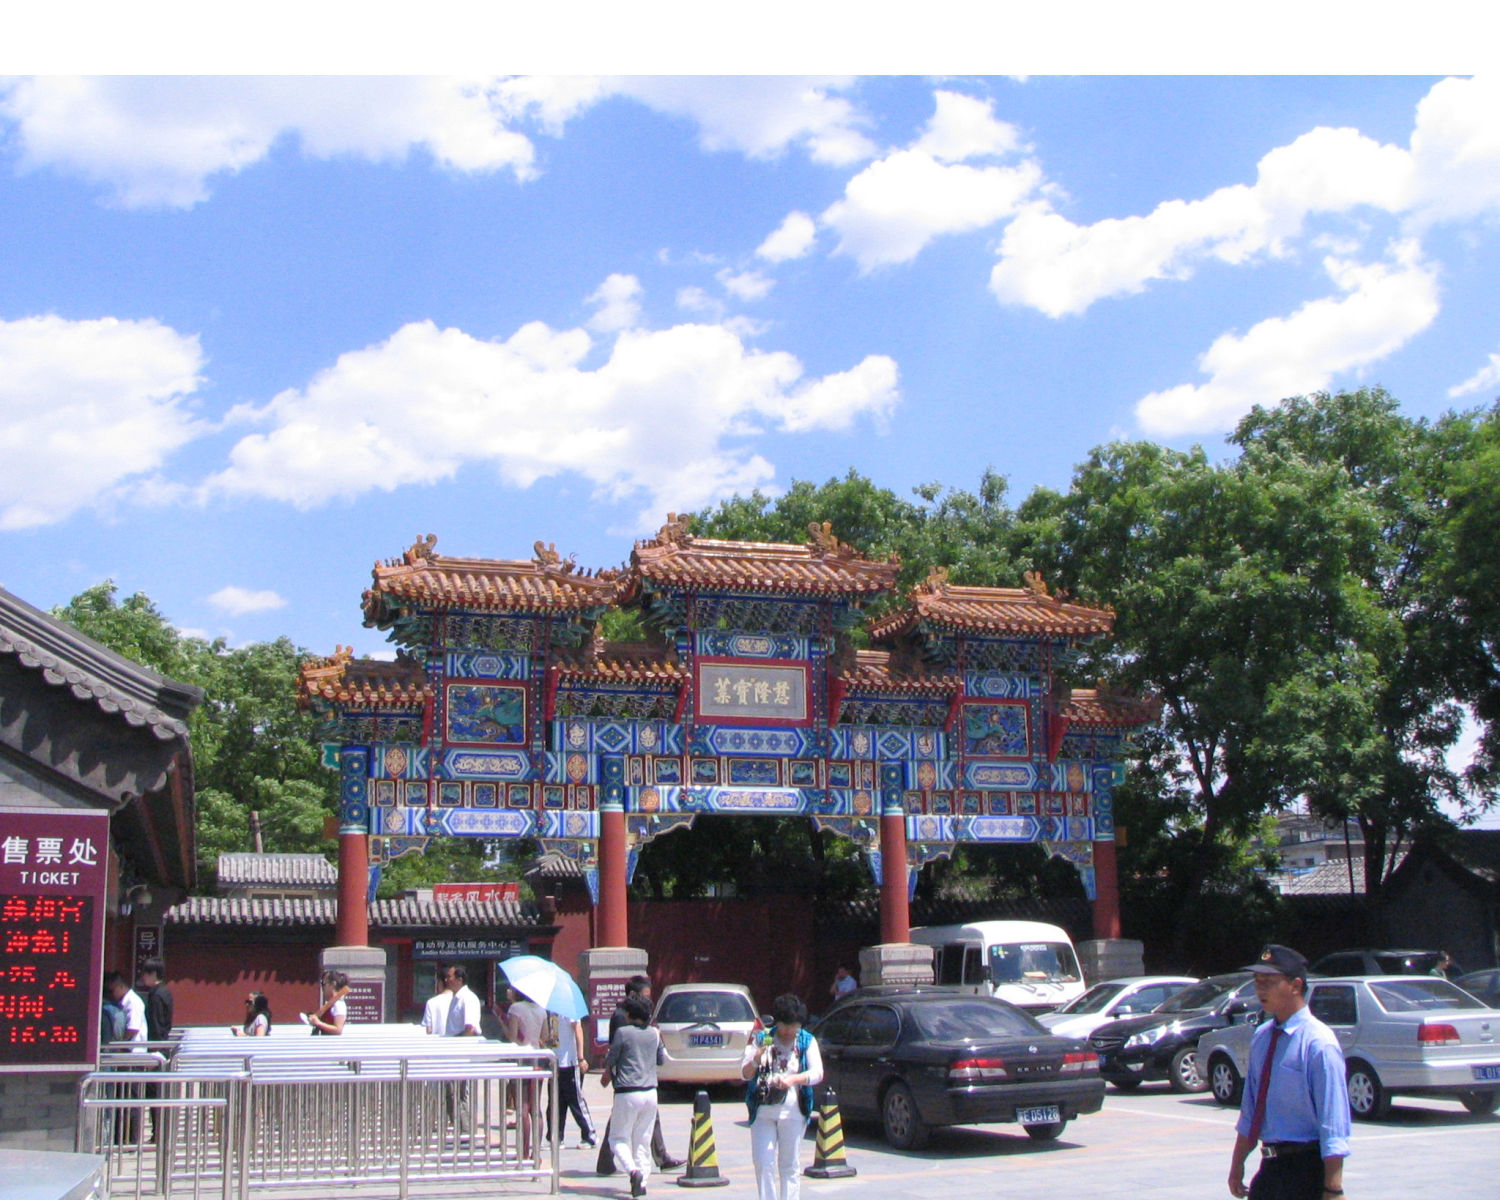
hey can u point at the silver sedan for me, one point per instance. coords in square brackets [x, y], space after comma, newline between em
[1405, 1035]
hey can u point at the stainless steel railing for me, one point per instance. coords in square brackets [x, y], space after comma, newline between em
[290, 1117]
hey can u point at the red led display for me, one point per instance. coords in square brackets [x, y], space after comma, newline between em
[52, 876]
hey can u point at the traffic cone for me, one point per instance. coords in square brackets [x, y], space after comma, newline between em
[828, 1157]
[703, 1158]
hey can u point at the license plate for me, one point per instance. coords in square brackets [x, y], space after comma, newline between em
[1488, 1074]
[705, 1039]
[1046, 1114]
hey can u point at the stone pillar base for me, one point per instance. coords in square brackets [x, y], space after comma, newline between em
[602, 973]
[1111, 958]
[372, 981]
[895, 962]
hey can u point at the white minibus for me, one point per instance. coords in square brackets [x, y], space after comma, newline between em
[1029, 963]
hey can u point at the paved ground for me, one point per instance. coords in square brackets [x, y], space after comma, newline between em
[1148, 1144]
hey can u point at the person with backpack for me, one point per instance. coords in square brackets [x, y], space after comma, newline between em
[781, 1067]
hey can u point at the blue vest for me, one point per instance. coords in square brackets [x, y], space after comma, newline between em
[804, 1091]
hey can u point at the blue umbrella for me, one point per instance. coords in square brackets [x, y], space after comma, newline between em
[546, 983]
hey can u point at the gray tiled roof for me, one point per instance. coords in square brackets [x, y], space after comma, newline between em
[1326, 879]
[554, 865]
[276, 870]
[402, 912]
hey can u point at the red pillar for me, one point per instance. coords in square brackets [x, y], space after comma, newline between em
[612, 928]
[895, 912]
[1106, 891]
[353, 928]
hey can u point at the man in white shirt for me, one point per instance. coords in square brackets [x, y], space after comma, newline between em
[132, 1005]
[454, 1011]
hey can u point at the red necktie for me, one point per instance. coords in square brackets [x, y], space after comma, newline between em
[1259, 1117]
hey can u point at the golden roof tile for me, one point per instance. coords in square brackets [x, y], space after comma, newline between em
[1028, 611]
[824, 566]
[546, 583]
[353, 682]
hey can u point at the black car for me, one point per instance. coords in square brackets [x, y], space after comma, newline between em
[1484, 984]
[1383, 962]
[1163, 1044]
[915, 1059]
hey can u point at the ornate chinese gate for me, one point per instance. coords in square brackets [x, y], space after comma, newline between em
[507, 714]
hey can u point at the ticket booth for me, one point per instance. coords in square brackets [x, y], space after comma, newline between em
[95, 820]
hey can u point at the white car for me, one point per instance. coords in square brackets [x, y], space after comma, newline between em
[705, 1028]
[1111, 999]
[1411, 1035]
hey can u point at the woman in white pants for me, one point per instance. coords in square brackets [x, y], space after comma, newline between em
[630, 1066]
[782, 1067]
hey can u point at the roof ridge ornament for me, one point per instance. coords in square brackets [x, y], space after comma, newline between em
[936, 581]
[1037, 584]
[547, 556]
[421, 549]
[675, 531]
[825, 543]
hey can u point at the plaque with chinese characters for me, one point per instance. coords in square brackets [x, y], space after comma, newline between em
[52, 881]
[752, 692]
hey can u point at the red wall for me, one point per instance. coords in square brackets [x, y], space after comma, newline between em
[210, 982]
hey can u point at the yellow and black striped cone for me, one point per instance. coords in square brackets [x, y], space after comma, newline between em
[703, 1158]
[828, 1158]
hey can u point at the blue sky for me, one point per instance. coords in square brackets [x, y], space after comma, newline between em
[256, 333]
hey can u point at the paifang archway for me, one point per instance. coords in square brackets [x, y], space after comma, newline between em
[507, 714]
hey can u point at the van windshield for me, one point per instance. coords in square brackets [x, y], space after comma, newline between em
[1033, 962]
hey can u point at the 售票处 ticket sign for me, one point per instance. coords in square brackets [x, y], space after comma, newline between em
[53, 866]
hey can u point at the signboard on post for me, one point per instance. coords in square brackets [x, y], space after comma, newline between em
[147, 945]
[52, 898]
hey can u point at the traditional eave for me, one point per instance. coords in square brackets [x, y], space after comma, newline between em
[109, 726]
[276, 870]
[874, 671]
[364, 684]
[403, 913]
[94, 673]
[947, 608]
[1091, 708]
[617, 663]
[677, 561]
[422, 579]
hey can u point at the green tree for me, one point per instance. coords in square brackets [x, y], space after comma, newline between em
[253, 749]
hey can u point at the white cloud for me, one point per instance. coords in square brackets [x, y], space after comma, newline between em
[745, 285]
[694, 299]
[158, 141]
[793, 238]
[1487, 377]
[665, 417]
[1382, 307]
[965, 127]
[894, 207]
[1456, 149]
[619, 301]
[86, 406]
[238, 601]
[760, 116]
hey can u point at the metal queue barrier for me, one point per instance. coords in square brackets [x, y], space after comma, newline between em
[385, 1107]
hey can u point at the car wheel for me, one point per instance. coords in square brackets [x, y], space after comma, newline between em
[1224, 1081]
[1124, 1085]
[902, 1124]
[1184, 1075]
[1047, 1132]
[1481, 1103]
[1368, 1099]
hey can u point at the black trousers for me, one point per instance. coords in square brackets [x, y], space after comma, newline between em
[1293, 1177]
[570, 1100]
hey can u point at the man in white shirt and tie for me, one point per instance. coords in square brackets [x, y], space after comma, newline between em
[454, 1011]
